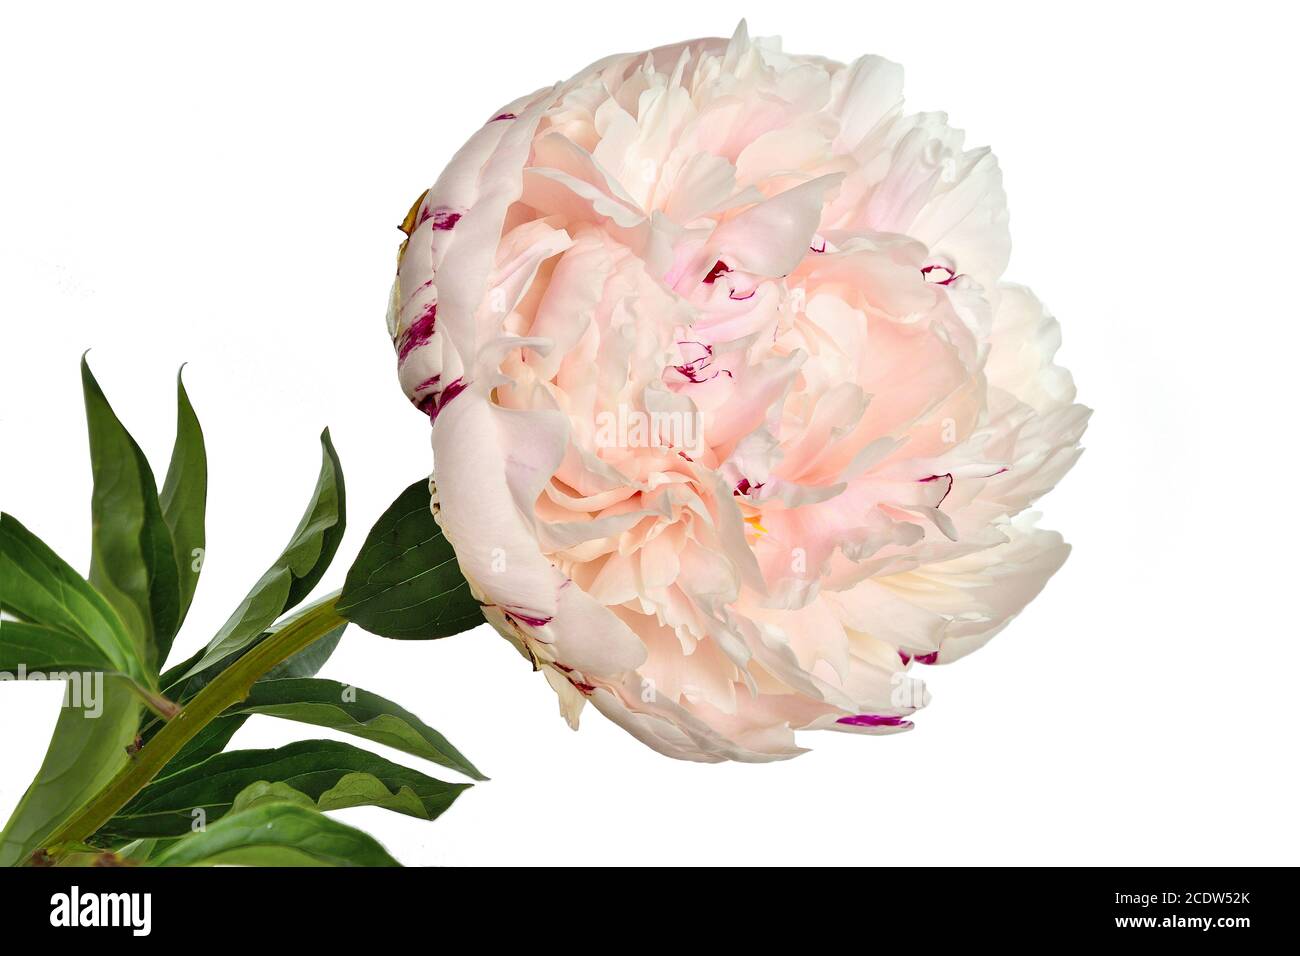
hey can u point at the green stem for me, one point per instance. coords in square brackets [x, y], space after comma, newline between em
[227, 689]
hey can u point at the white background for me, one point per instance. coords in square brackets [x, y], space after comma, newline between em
[223, 188]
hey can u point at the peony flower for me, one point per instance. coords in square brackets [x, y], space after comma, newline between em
[734, 422]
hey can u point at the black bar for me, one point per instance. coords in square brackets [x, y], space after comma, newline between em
[1173, 906]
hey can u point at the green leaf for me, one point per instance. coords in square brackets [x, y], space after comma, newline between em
[39, 587]
[261, 792]
[406, 583]
[183, 681]
[36, 652]
[84, 754]
[184, 499]
[328, 703]
[63, 617]
[132, 559]
[276, 832]
[213, 738]
[294, 573]
[45, 650]
[137, 851]
[334, 775]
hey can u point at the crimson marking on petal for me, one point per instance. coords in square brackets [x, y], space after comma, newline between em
[926, 270]
[426, 403]
[436, 401]
[587, 689]
[528, 619]
[692, 376]
[419, 333]
[823, 245]
[418, 289]
[947, 475]
[692, 369]
[931, 658]
[874, 720]
[503, 116]
[443, 218]
[904, 656]
[743, 487]
[445, 396]
[742, 298]
[718, 269]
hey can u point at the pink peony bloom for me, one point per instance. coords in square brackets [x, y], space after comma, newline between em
[734, 422]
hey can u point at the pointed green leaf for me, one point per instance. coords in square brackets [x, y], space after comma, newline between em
[256, 794]
[294, 573]
[85, 753]
[132, 560]
[183, 681]
[137, 851]
[276, 832]
[39, 587]
[328, 703]
[213, 738]
[184, 498]
[327, 771]
[35, 652]
[36, 648]
[64, 620]
[406, 582]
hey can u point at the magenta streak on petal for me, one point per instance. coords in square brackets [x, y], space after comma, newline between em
[693, 377]
[418, 289]
[502, 116]
[874, 720]
[445, 397]
[718, 269]
[435, 402]
[741, 298]
[931, 658]
[426, 403]
[526, 618]
[951, 275]
[444, 219]
[692, 369]
[947, 475]
[906, 657]
[419, 333]
[743, 487]
[823, 246]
